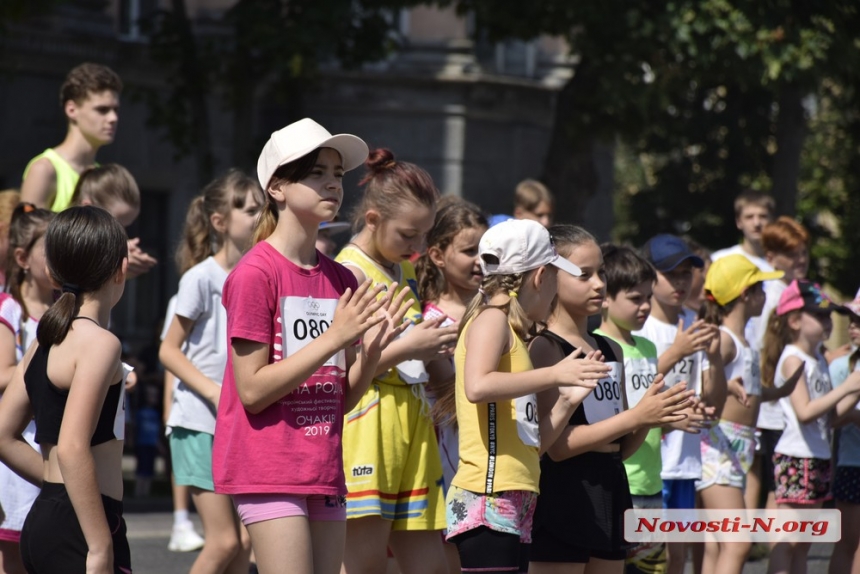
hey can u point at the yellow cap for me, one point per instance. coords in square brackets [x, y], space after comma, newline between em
[729, 276]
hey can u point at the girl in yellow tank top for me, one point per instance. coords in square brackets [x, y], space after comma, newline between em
[491, 501]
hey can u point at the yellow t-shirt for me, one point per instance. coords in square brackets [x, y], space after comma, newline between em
[352, 256]
[499, 441]
[67, 178]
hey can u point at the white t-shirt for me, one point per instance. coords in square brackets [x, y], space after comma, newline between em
[770, 413]
[739, 250]
[681, 451]
[199, 299]
[746, 364]
[16, 494]
[810, 440]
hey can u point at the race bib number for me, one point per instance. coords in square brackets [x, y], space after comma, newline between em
[119, 417]
[413, 371]
[527, 420]
[605, 399]
[640, 375]
[753, 367]
[304, 319]
[686, 370]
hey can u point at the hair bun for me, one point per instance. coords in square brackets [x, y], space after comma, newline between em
[380, 159]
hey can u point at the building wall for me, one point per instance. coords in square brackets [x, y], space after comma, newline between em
[436, 103]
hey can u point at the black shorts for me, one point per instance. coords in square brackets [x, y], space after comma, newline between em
[768, 440]
[580, 511]
[52, 540]
[547, 547]
[488, 551]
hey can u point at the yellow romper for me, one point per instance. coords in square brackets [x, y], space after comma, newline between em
[390, 455]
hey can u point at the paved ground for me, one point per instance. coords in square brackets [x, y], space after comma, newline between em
[149, 525]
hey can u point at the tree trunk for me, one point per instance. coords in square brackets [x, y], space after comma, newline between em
[790, 135]
[579, 166]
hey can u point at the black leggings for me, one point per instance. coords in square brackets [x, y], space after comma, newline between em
[490, 552]
[52, 540]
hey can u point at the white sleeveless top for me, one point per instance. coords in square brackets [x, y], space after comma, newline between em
[810, 440]
[745, 365]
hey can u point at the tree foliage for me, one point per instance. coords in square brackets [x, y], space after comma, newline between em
[271, 46]
[708, 97]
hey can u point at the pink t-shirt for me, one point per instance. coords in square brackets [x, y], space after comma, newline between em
[294, 445]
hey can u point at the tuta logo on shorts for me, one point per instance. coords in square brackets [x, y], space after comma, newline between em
[364, 470]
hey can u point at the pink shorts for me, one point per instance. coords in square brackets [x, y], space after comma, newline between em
[315, 507]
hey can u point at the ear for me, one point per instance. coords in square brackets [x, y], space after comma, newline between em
[123, 271]
[277, 191]
[71, 110]
[219, 222]
[794, 321]
[372, 219]
[518, 212]
[539, 277]
[435, 255]
[22, 258]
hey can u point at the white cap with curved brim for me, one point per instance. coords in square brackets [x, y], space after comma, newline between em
[301, 138]
[520, 245]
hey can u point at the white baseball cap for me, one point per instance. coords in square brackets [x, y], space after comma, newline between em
[301, 138]
[520, 245]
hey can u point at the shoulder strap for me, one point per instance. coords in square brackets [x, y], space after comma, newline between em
[566, 347]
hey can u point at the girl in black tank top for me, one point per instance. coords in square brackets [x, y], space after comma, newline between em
[583, 486]
[71, 383]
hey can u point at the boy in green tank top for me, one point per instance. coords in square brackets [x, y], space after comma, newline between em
[90, 99]
[629, 283]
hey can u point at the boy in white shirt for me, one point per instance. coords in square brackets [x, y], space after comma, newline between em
[688, 351]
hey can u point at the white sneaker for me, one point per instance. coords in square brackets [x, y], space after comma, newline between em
[184, 539]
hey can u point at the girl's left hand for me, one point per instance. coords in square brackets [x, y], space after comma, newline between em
[392, 325]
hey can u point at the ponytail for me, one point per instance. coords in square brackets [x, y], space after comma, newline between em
[431, 282]
[196, 243]
[267, 222]
[57, 320]
[714, 313]
[776, 337]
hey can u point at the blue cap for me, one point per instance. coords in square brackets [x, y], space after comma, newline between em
[498, 218]
[667, 251]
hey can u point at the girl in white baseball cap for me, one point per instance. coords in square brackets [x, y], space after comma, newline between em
[492, 497]
[289, 377]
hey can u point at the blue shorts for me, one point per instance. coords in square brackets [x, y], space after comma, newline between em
[679, 493]
[191, 455]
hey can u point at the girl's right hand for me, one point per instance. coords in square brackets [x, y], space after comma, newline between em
[578, 371]
[658, 407]
[428, 340]
[356, 312]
